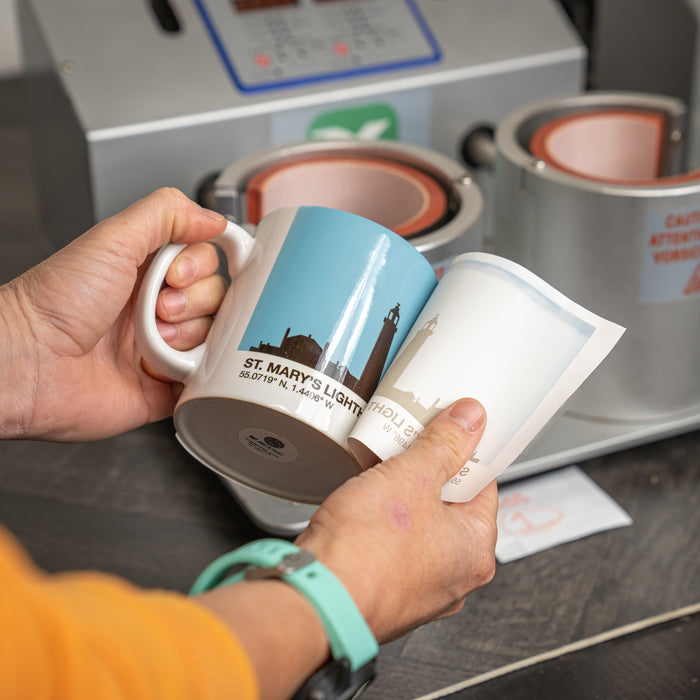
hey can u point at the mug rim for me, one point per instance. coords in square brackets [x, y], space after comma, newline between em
[400, 240]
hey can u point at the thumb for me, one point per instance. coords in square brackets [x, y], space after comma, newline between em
[163, 216]
[446, 444]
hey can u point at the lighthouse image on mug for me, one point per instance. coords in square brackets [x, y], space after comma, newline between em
[345, 321]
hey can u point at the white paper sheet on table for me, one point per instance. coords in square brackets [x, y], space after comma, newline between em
[547, 510]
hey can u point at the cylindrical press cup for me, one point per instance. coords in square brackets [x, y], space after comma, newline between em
[319, 303]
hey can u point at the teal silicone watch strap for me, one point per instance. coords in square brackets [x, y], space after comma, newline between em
[348, 634]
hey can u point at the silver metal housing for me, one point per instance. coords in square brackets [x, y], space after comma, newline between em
[592, 240]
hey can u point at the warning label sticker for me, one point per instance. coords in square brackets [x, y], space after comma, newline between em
[671, 264]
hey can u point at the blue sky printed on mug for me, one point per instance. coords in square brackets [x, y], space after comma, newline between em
[336, 280]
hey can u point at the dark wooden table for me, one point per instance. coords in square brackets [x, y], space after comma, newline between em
[614, 615]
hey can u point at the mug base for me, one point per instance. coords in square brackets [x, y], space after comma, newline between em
[264, 449]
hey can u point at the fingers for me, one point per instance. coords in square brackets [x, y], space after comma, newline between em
[484, 503]
[185, 307]
[446, 444]
[185, 315]
[196, 262]
[480, 515]
[185, 335]
[199, 299]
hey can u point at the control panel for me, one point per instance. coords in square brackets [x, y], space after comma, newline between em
[267, 44]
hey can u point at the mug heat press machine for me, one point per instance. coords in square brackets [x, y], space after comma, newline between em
[592, 193]
[125, 96]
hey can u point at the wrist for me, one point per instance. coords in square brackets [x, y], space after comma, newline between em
[353, 647]
[16, 366]
[341, 553]
[277, 627]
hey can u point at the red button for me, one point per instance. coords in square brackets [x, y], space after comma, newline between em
[340, 48]
[261, 60]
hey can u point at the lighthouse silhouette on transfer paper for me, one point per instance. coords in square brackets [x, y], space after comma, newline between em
[407, 399]
[305, 350]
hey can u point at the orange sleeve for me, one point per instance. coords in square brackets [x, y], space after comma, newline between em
[94, 636]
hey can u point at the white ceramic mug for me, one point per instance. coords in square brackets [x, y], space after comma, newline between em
[319, 303]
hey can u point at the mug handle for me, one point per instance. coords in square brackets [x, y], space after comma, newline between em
[238, 245]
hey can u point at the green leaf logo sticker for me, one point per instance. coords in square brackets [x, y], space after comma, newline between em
[369, 123]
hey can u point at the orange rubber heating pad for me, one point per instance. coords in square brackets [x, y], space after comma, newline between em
[399, 196]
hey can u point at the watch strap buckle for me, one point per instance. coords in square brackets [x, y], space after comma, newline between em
[287, 565]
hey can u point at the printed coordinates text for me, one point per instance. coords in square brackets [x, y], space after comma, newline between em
[305, 383]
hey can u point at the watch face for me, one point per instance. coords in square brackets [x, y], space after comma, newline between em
[335, 681]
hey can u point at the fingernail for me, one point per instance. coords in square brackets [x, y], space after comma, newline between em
[173, 301]
[469, 414]
[185, 269]
[168, 331]
[213, 214]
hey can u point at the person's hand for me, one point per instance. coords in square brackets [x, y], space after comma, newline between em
[70, 368]
[406, 556]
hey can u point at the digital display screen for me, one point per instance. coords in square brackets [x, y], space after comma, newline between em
[245, 5]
